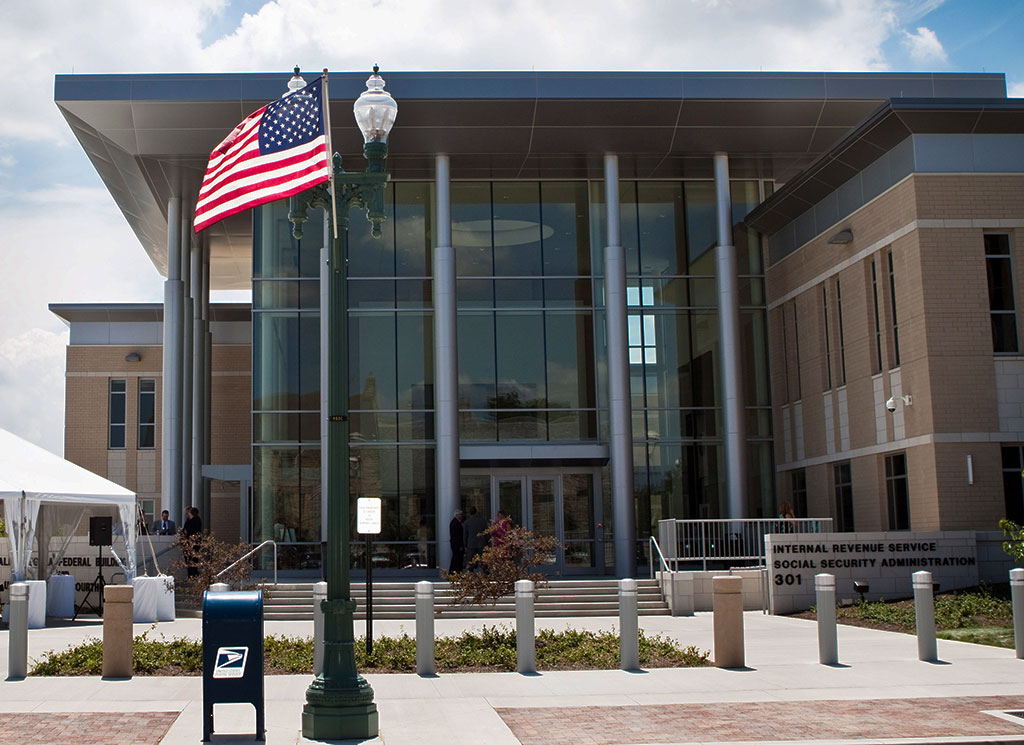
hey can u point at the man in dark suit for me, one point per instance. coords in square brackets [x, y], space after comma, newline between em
[458, 538]
[165, 525]
[193, 527]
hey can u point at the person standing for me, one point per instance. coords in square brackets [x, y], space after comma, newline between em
[475, 525]
[165, 525]
[457, 534]
[191, 530]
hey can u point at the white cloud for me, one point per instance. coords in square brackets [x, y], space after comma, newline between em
[924, 45]
[1015, 90]
[32, 386]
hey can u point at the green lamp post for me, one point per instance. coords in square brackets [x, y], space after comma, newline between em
[339, 701]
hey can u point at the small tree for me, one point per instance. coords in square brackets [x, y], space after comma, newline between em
[493, 574]
[1014, 543]
[208, 557]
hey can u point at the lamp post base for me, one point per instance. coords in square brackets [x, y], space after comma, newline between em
[353, 722]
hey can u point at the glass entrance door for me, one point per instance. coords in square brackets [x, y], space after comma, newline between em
[561, 503]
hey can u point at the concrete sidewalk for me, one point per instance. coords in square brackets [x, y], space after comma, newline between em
[879, 692]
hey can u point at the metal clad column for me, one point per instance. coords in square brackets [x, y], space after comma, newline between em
[188, 373]
[729, 343]
[446, 366]
[619, 408]
[170, 398]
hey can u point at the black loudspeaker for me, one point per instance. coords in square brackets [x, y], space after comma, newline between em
[100, 528]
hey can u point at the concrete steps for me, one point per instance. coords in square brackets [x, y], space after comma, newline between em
[397, 601]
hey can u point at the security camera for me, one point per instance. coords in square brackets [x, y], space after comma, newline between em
[891, 404]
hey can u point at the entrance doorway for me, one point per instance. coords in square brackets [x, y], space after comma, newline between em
[563, 503]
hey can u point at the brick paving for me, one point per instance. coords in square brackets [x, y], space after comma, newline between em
[764, 721]
[82, 728]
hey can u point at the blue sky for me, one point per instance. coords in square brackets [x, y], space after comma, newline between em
[63, 240]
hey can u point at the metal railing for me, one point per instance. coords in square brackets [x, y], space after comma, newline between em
[661, 557]
[727, 542]
[247, 555]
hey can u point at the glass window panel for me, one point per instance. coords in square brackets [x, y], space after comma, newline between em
[567, 293]
[997, 244]
[309, 427]
[309, 361]
[650, 355]
[413, 293]
[745, 197]
[636, 356]
[751, 291]
[754, 340]
[510, 499]
[416, 426]
[542, 506]
[416, 503]
[477, 376]
[1004, 333]
[632, 294]
[118, 386]
[673, 291]
[659, 212]
[598, 227]
[475, 491]
[275, 251]
[275, 294]
[701, 225]
[275, 428]
[1011, 458]
[415, 345]
[275, 379]
[286, 493]
[650, 333]
[572, 425]
[629, 226]
[520, 360]
[478, 426]
[704, 358]
[474, 293]
[471, 228]
[413, 229]
[564, 210]
[371, 293]
[369, 256]
[570, 353]
[1000, 284]
[518, 293]
[517, 229]
[633, 326]
[704, 293]
[372, 373]
[372, 426]
[309, 294]
[522, 425]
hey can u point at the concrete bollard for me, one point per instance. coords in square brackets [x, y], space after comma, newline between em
[526, 653]
[825, 597]
[220, 587]
[629, 626]
[117, 631]
[17, 643]
[425, 662]
[727, 606]
[1017, 596]
[319, 596]
[924, 610]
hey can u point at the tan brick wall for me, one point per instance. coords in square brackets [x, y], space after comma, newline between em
[946, 359]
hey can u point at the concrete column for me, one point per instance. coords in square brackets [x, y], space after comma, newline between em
[319, 596]
[727, 605]
[1017, 595]
[526, 657]
[17, 641]
[629, 625]
[620, 416]
[825, 597]
[187, 360]
[729, 343]
[425, 662]
[446, 365]
[170, 399]
[924, 610]
[117, 631]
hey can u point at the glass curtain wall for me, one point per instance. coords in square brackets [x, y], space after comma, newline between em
[669, 234]
[525, 311]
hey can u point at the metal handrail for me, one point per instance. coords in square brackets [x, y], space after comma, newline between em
[247, 555]
[661, 557]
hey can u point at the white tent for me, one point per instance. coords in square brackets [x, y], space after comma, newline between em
[31, 477]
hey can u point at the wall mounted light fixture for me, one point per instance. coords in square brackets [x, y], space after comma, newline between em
[843, 237]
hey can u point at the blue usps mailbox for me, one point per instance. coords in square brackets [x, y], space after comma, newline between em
[232, 654]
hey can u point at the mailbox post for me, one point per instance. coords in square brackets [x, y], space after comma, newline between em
[368, 511]
[233, 654]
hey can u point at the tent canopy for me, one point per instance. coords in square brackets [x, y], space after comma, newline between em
[31, 477]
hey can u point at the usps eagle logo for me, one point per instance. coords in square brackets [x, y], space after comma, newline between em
[230, 662]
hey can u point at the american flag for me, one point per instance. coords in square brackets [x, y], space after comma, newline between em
[277, 151]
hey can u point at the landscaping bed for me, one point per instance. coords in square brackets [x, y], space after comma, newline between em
[981, 615]
[492, 649]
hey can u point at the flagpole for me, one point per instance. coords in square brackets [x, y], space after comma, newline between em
[330, 154]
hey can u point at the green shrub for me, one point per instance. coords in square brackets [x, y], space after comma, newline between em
[986, 604]
[493, 648]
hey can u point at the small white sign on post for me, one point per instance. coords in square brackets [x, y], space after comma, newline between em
[368, 515]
